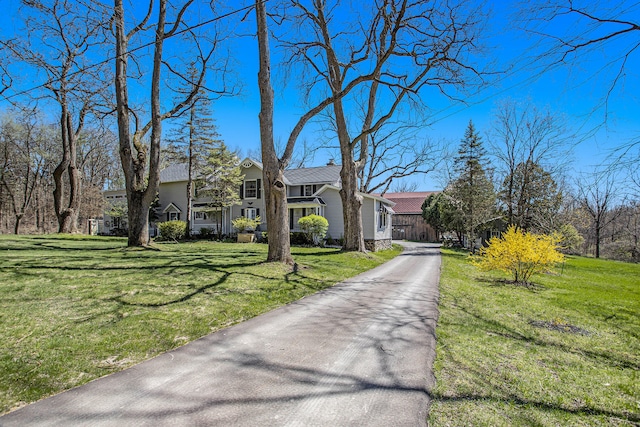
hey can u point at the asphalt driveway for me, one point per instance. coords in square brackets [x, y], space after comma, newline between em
[357, 354]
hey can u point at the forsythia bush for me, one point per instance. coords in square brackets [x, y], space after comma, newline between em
[520, 254]
[243, 224]
[315, 227]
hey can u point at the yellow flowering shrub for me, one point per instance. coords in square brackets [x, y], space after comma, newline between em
[520, 254]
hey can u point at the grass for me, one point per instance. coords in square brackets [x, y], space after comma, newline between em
[563, 352]
[74, 308]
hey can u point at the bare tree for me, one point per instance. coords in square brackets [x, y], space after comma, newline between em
[60, 37]
[392, 52]
[404, 187]
[273, 167]
[135, 155]
[528, 146]
[23, 160]
[274, 164]
[596, 25]
[597, 195]
[6, 81]
[395, 155]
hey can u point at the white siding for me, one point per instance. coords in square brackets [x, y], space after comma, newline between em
[252, 173]
[176, 193]
[368, 218]
[333, 213]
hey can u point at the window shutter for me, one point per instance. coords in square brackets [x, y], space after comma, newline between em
[241, 212]
[242, 191]
[258, 188]
[258, 211]
[291, 219]
[315, 188]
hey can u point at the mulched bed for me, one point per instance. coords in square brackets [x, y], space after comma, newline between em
[560, 327]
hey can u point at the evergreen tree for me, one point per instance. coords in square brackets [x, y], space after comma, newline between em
[221, 179]
[431, 213]
[472, 191]
[531, 198]
[191, 142]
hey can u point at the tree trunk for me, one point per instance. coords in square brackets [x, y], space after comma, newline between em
[190, 171]
[138, 218]
[351, 208]
[273, 169]
[58, 190]
[67, 215]
[277, 217]
[189, 199]
[16, 226]
[140, 191]
[351, 200]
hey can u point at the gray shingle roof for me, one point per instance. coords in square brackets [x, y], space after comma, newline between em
[175, 173]
[329, 174]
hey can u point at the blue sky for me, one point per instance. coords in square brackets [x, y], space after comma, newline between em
[574, 91]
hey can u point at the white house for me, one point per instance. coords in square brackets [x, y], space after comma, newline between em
[312, 190]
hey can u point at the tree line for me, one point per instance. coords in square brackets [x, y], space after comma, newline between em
[366, 76]
[520, 182]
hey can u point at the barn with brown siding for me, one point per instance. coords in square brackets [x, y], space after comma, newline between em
[408, 223]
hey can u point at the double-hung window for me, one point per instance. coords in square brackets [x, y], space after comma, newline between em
[308, 190]
[251, 189]
[382, 217]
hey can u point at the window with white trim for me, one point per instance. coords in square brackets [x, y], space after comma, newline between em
[250, 213]
[173, 216]
[200, 215]
[308, 190]
[251, 189]
[382, 217]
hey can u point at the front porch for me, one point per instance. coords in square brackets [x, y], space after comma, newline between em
[302, 206]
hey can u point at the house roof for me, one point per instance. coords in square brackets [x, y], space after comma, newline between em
[329, 174]
[312, 201]
[175, 173]
[377, 197]
[408, 203]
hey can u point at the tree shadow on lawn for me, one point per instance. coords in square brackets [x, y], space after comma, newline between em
[511, 399]
[504, 394]
[65, 263]
[198, 291]
[506, 331]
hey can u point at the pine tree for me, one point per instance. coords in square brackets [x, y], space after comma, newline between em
[221, 179]
[191, 141]
[472, 191]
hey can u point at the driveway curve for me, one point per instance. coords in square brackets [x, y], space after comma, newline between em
[359, 353]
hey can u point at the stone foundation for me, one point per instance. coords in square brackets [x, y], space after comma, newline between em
[377, 245]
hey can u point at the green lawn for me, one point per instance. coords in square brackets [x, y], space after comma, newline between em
[76, 308]
[565, 352]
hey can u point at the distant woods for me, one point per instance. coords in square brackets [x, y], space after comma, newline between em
[30, 151]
